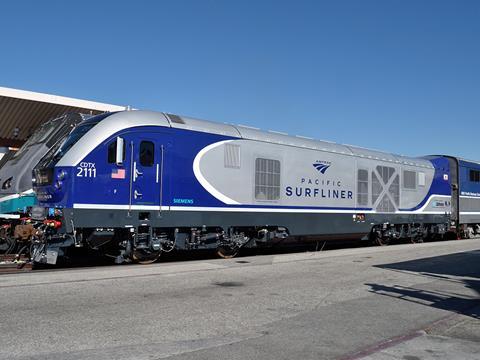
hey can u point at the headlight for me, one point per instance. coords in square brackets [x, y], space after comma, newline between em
[7, 184]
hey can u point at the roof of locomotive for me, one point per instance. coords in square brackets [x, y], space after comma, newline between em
[126, 119]
[250, 133]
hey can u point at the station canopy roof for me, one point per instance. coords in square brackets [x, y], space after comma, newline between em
[22, 111]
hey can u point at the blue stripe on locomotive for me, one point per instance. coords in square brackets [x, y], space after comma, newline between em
[180, 182]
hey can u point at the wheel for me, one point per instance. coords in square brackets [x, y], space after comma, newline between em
[416, 239]
[145, 256]
[382, 241]
[469, 234]
[227, 252]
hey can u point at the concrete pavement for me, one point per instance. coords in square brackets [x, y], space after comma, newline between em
[350, 303]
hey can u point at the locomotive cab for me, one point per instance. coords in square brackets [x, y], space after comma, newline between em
[52, 185]
[100, 177]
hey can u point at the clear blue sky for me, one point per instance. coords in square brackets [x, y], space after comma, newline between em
[401, 76]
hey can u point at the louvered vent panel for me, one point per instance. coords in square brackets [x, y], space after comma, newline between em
[232, 156]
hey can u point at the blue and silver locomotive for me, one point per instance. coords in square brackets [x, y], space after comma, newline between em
[132, 184]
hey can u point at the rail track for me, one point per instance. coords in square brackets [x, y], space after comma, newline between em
[12, 263]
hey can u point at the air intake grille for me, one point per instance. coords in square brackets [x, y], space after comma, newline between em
[267, 179]
[409, 179]
[232, 156]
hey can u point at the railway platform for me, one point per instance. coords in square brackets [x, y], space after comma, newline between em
[409, 302]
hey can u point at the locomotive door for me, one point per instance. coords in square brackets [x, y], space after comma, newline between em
[146, 171]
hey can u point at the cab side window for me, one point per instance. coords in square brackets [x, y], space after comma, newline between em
[147, 151]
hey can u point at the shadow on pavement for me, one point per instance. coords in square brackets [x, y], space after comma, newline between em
[463, 268]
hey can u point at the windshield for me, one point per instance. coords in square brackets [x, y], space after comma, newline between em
[38, 137]
[61, 147]
[49, 134]
[71, 140]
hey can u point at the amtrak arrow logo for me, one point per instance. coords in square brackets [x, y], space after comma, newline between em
[322, 166]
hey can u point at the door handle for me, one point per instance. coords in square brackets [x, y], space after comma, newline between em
[136, 173]
[137, 195]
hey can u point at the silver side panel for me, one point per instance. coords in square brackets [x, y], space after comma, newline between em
[301, 183]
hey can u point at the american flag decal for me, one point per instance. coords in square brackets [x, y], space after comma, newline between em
[118, 173]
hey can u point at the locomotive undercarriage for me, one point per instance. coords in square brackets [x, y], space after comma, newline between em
[469, 231]
[145, 244]
[19, 235]
[384, 234]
